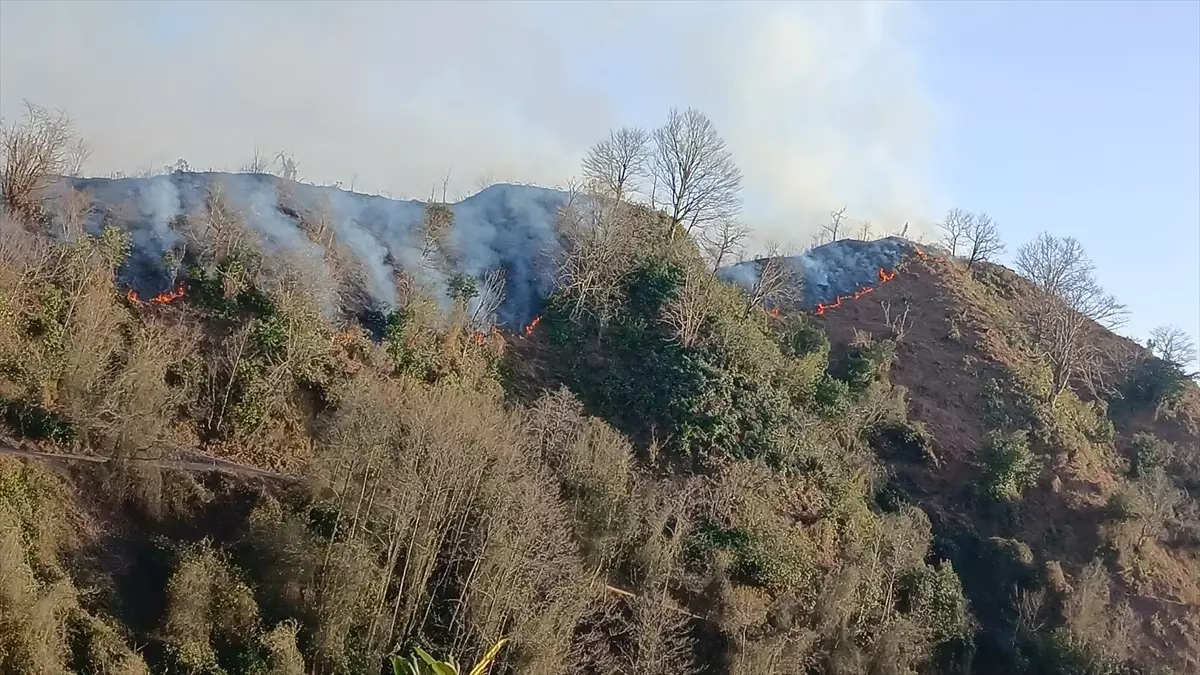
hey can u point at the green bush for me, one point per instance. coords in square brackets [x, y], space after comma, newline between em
[905, 441]
[650, 286]
[1121, 507]
[832, 396]
[1059, 653]
[412, 348]
[556, 321]
[934, 595]
[757, 560]
[729, 394]
[1147, 452]
[35, 422]
[864, 365]
[270, 337]
[1154, 384]
[462, 287]
[1011, 467]
[801, 339]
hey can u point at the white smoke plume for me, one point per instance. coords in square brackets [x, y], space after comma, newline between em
[821, 103]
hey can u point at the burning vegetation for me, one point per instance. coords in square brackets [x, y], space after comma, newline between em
[532, 326]
[884, 277]
[164, 298]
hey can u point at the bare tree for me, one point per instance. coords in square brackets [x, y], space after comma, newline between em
[258, 163]
[777, 282]
[898, 324]
[685, 314]
[831, 230]
[489, 299]
[1063, 335]
[485, 181]
[599, 237]
[1173, 345]
[35, 150]
[615, 164]
[955, 227]
[287, 167]
[1061, 268]
[1154, 499]
[1072, 299]
[434, 227]
[692, 165]
[724, 243]
[982, 239]
[1054, 264]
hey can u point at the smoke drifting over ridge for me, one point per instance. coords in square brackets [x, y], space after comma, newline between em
[505, 227]
[820, 103]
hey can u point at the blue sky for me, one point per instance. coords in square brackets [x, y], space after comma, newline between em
[1081, 119]
[1078, 118]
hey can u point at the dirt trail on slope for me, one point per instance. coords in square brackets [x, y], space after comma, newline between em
[195, 463]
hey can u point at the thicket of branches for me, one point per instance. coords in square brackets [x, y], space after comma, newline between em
[34, 150]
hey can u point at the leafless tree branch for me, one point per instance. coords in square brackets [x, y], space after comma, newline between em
[35, 150]
[1173, 345]
[954, 229]
[615, 165]
[724, 242]
[982, 239]
[691, 163]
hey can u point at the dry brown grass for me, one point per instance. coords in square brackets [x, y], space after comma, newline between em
[593, 464]
[206, 599]
[42, 617]
[440, 483]
[285, 657]
[33, 613]
[107, 651]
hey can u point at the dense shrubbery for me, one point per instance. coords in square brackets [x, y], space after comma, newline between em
[437, 517]
[1155, 384]
[1011, 467]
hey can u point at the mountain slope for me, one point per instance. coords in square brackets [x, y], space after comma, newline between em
[656, 474]
[970, 368]
[508, 227]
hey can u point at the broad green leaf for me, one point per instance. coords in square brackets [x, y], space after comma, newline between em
[486, 662]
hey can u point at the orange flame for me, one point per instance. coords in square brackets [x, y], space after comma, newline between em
[164, 298]
[167, 297]
[883, 276]
[532, 325]
[920, 253]
[478, 338]
[774, 311]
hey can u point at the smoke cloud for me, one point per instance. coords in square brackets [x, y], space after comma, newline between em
[504, 228]
[821, 103]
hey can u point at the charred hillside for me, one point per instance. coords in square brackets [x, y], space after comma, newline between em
[860, 460]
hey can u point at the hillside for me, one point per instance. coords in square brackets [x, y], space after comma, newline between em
[970, 368]
[629, 464]
[505, 227]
